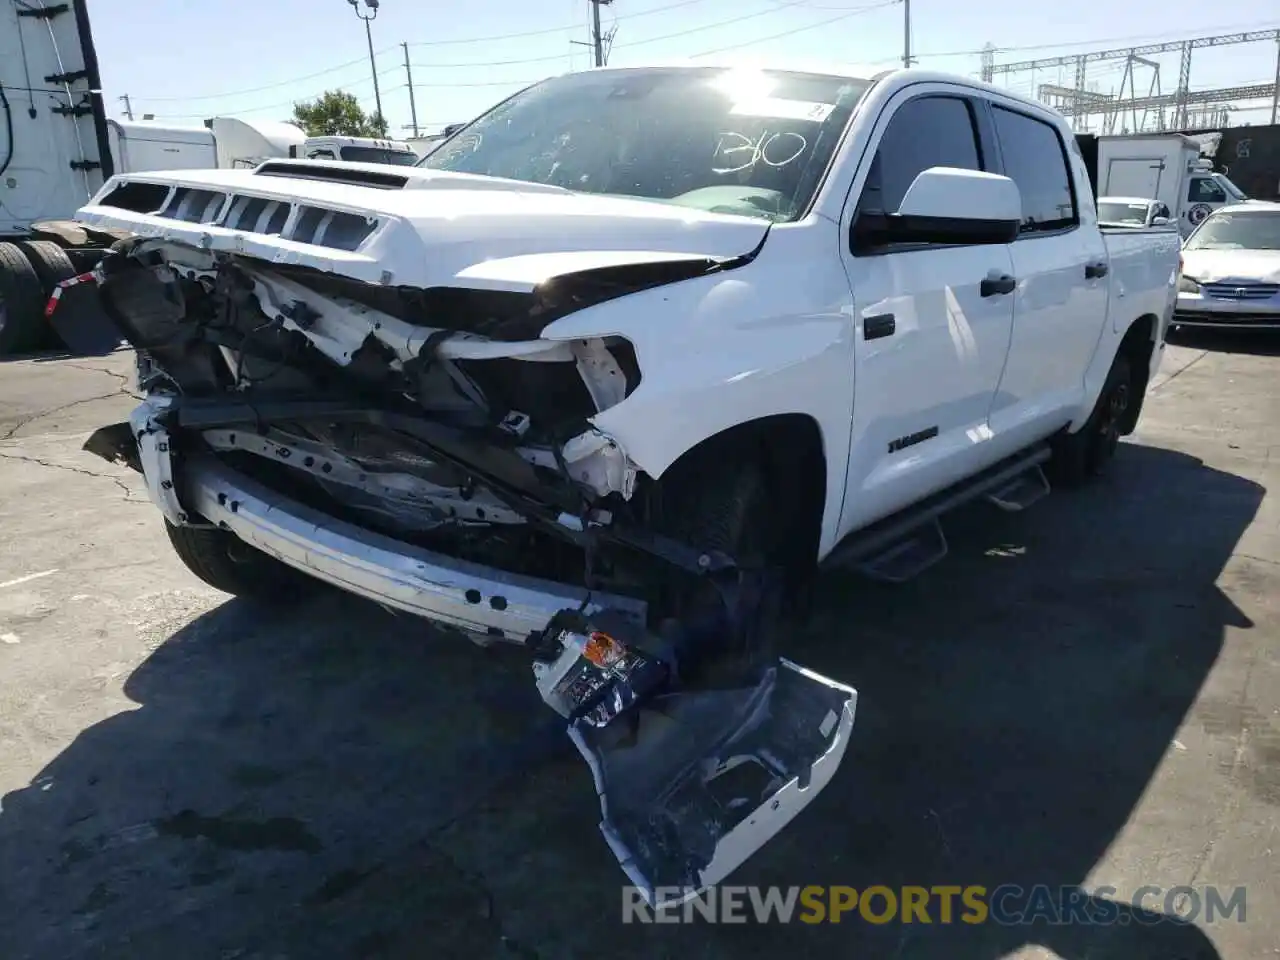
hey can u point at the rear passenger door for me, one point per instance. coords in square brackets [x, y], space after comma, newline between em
[930, 338]
[1060, 305]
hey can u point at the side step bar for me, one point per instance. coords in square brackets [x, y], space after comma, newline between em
[903, 545]
[1022, 491]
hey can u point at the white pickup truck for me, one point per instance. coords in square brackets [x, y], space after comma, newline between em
[631, 333]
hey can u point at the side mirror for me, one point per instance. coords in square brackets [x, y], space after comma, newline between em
[1160, 221]
[452, 128]
[947, 205]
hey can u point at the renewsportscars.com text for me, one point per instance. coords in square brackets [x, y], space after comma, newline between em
[1008, 905]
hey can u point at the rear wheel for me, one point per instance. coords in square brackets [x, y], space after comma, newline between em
[227, 563]
[1087, 453]
[50, 262]
[21, 302]
[52, 265]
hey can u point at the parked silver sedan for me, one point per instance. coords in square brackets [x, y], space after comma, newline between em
[1231, 269]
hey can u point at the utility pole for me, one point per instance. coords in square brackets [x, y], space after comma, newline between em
[372, 7]
[1275, 93]
[128, 107]
[413, 106]
[906, 33]
[598, 39]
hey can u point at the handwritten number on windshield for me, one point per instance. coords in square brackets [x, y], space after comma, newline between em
[771, 149]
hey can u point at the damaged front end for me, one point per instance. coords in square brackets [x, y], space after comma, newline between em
[428, 450]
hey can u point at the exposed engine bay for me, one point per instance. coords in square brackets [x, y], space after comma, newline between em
[474, 441]
[344, 393]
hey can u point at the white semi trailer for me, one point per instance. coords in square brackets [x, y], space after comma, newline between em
[55, 153]
[140, 146]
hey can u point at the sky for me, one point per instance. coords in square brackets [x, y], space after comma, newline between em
[187, 60]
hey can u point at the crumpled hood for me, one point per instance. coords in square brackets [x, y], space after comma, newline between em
[1212, 266]
[415, 227]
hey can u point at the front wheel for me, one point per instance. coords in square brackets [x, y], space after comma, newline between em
[227, 563]
[723, 505]
[1087, 453]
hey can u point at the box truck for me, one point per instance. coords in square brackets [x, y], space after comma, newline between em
[1166, 167]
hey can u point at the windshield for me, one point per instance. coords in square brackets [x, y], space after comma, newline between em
[755, 143]
[1112, 212]
[1251, 230]
[401, 158]
[1234, 192]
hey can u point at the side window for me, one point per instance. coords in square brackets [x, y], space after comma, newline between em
[931, 131]
[1035, 159]
[1205, 190]
[1162, 211]
[321, 155]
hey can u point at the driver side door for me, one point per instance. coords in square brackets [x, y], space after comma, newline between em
[932, 323]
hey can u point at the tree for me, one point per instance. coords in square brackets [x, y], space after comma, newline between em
[337, 113]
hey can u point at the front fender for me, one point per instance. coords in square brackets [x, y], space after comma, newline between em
[772, 337]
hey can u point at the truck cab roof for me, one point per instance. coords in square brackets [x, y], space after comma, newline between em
[374, 142]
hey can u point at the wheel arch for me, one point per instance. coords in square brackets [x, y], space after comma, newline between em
[1138, 345]
[791, 450]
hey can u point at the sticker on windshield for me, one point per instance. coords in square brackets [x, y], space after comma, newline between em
[779, 109]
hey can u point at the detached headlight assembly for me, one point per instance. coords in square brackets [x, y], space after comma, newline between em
[1188, 285]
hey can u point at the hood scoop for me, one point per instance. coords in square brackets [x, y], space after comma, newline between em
[310, 170]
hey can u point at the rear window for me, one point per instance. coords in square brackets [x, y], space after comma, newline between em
[399, 158]
[1036, 160]
[1111, 212]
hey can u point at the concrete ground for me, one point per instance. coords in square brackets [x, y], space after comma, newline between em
[1088, 693]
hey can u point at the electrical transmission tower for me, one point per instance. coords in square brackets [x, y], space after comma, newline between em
[1134, 110]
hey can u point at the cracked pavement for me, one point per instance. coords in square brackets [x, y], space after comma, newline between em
[1087, 693]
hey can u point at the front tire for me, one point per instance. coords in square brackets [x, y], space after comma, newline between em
[1079, 457]
[722, 504]
[227, 563]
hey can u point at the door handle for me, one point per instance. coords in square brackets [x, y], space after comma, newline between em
[994, 285]
[881, 325]
[1094, 271]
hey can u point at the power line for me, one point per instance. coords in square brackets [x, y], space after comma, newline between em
[1097, 41]
[425, 43]
[785, 4]
[790, 4]
[849, 12]
[269, 86]
[283, 105]
[795, 30]
[550, 30]
[779, 5]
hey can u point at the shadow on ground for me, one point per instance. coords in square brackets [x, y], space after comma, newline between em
[336, 782]
[1257, 343]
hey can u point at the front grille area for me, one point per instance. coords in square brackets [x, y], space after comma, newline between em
[1241, 291]
[193, 206]
[315, 226]
[1228, 319]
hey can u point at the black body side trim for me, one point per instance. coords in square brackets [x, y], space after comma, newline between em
[90, 55]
